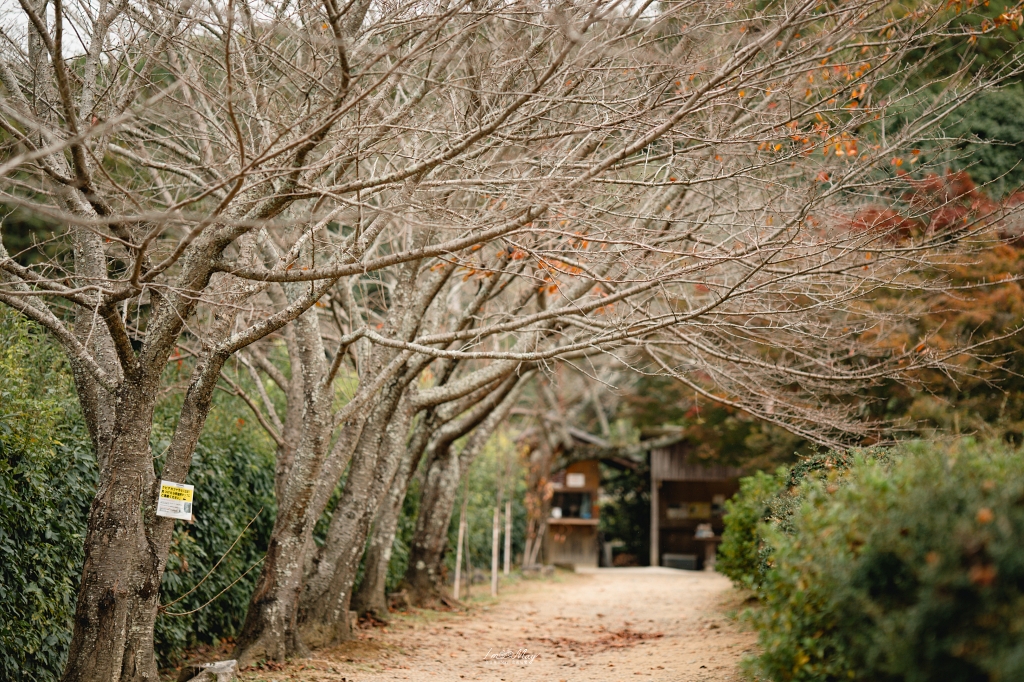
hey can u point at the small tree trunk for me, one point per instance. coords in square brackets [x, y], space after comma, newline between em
[308, 473]
[371, 597]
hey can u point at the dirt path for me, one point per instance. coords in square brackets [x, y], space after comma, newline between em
[613, 624]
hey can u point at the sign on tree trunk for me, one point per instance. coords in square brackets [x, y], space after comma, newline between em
[175, 501]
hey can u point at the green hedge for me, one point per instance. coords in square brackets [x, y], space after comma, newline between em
[233, 473]
[771, 500]
[47, 480]
[908, 569]
[741, 554]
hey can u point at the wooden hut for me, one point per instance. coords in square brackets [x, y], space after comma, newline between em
[571, 536]
[687, 500]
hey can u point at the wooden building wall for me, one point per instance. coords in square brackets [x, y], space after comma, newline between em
[573, 541]
[680, 489]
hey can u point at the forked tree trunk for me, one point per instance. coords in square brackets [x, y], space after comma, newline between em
[371, 597]
[126, 545]
[430, 540]
[270, 630]
[440, 488]
[325, 602]
[140, 659]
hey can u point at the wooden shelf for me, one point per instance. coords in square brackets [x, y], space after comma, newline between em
[572, 522]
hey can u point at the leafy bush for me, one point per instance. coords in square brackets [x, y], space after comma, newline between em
[992, 149]
[233, 473]
[47, 481]
[739, 556]
[626, 516]
[911, 570]
[765, 500]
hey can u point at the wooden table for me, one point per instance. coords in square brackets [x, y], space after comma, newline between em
[710, 545]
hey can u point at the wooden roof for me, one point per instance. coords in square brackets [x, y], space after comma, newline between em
[674, 463]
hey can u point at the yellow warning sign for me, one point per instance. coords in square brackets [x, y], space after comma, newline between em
[174, 491]
[175, 500]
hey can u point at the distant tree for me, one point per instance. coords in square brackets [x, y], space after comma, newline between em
[991, 140]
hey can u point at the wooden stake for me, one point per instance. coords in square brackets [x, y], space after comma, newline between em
[508, 536]
[495, 543]
[496, 530]
[469, 563]
[462, 534]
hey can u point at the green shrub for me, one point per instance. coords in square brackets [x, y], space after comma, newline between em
[739, 556]
[47, 481]
[911, 570]
[992, 146]
[765, 501]
[233, 472]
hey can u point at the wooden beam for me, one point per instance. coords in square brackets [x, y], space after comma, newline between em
[655, 556]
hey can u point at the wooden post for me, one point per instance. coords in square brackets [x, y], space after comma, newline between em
[469, 563]
[508, 536]
[495, 548]
[496, 527]
[462, 534]
[654, 521]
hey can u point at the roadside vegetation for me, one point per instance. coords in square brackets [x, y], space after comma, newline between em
[899, 564]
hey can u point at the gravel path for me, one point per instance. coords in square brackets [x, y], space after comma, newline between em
[606, 625]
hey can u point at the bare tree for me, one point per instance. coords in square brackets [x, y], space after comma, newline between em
[607, 175]
[444, 467]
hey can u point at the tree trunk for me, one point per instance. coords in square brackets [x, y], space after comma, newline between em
[270, 630]
[371, 597]
[326, 599]
[271, 626]
[437, 502]
[121, 572]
